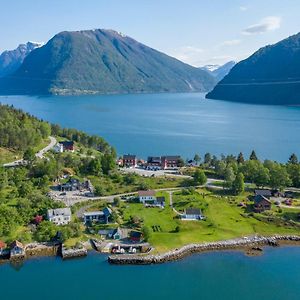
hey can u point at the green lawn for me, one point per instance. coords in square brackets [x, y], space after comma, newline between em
[8, 155]
[224, 220]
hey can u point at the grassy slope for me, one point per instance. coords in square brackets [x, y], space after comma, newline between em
[224, 221]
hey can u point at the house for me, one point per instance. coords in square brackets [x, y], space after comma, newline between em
[115, 234]
[107, 213]
[153, 163]
[129, 160]
[68, 146]
[135, 236]
[59, 216]
[2, 247]
[264, 193]
[58, 148]
[97, 216]
[160, 201]
[147, 196]
[93, 216]
[261, 203]
[170, 162]
[72, 184]
[192, 214]
[17, 249]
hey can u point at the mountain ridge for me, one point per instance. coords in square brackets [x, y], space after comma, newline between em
[101, 62]
[269, 76]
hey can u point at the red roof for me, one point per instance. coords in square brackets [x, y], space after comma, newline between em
[146, 193]
[2, 245]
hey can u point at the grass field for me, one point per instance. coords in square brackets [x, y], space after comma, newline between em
[224, 220]
[8, 155]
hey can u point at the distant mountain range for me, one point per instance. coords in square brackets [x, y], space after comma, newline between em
[219, 71]
[11, 60]
[269, 76]
[102, 61]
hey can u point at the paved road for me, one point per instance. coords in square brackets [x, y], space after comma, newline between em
[40, 154]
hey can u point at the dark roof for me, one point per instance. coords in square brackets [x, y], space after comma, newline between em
[154, 159]
[129, 156]
[16, 244]
[266, 193]
[171, 157]
[135, 234]
[107, 211]
[160, 199]
[259, 198]
[67, 143]
[193, 211]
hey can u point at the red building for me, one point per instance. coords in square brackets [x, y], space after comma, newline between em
[129, 160]
[68, 145]
[170, 162]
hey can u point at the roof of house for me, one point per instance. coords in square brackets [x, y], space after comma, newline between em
[93, 213]
[107, 211]
[171, 157]
[2, 245]
[266, 193]
[160, 199]
[59, 212]
[259, 198]
[146, 193]
[193, 211]
[67, 143]
[135, 234]
[154, 159]
[129, 156]
[16, 244]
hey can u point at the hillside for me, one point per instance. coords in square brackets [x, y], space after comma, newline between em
[219, 71]
[270, 76]
[11, 60]
[102, 61]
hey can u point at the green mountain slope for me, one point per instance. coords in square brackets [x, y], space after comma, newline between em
[269, 76]
[102, 61]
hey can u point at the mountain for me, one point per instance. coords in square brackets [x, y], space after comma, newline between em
[11, 60]
[102, 61]
[269, 76]
[219, 72]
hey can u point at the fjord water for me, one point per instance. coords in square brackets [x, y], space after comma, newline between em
[185, 124]
[220, 275]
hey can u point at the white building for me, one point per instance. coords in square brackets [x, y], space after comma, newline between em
[58, 148]
[59, 216]
[193, 214]
[147, 196]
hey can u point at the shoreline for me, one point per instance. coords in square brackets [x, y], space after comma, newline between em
[244, 244]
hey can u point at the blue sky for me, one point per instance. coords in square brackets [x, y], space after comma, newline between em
[196, 31]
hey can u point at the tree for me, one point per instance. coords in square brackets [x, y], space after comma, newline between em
[261, 177]
[146, 233]
[220, 168]
[29, 155]
[293, 159]
[229, 177]
[199, 177]
[180, 163]
[207, 159]
[197, 158]
[279, 177]
[46, 231]
[294, 173]
[117, 201]
[238, 185]
[99, 190]
[253, 156]
[240, 158]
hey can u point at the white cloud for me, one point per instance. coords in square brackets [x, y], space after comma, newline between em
[266, 24]
[244, 8]
[188, 54]
[231, 43]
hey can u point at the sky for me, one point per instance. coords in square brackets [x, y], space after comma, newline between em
[198, 32]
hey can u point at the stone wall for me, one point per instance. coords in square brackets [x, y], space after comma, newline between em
[194, 248]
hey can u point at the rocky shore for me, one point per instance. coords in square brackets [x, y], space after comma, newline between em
[73, 253]
[234, 244]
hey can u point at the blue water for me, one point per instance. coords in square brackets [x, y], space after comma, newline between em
[184, 124]
[223, 275]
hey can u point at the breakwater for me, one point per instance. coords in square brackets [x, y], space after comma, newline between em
[73, 253]
[176, 254]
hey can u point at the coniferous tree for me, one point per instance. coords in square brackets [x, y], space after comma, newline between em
[293, 159]
[240, 158]
[253, 156]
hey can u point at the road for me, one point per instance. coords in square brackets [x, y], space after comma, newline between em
[40, 154]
